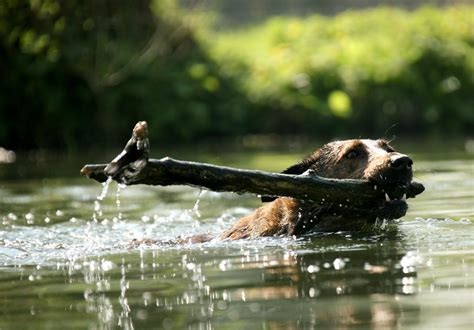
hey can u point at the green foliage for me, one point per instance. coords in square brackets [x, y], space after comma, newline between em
[359, 72]
[80, 73]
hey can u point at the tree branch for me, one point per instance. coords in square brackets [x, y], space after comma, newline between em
[168, 171]
[132, 167]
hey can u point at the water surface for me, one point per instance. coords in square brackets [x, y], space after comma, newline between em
[66, 259]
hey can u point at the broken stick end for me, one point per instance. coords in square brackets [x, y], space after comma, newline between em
[95, 172]
[86, 171]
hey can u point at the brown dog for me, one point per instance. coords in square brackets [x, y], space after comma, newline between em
[371, 160]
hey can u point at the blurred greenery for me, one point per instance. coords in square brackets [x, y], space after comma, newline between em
[359, 72]
[76, 74]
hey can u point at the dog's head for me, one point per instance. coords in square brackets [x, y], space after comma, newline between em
[372, 160]
[375, 161]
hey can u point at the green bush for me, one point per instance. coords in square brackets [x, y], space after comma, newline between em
[77, 74]
[358, 72]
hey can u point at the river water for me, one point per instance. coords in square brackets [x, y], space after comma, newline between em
[67, 258]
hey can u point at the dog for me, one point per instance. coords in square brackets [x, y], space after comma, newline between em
[375, 161]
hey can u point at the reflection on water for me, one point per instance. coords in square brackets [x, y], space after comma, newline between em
[66, 261]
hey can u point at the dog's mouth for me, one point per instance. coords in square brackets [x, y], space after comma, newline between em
[390, 202]
[393, 205]
[394, 192]
[392, 197]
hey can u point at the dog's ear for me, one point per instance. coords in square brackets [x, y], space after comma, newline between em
[297, 169]
[304, 165]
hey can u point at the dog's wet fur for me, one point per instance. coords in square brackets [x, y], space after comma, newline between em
[375, 161]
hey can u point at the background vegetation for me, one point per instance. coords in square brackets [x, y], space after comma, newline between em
[80, 73]
[358, 72]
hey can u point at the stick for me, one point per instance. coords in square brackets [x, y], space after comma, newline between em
[168, 171]
[132, 166]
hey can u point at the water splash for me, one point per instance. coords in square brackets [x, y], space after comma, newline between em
[105, 188]
[120, 186]
[380, 223]
[195, 210]
[97, 206]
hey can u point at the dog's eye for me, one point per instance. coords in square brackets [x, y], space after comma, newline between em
[352, 154]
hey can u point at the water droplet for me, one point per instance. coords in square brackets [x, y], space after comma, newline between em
[120, 186]
[338, 263]
[313, 269]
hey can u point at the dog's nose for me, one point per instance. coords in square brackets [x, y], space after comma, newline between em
[400, 162]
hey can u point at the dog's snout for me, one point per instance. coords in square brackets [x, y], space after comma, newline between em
[400, 162]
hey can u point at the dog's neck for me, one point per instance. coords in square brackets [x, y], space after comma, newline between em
[310, 217]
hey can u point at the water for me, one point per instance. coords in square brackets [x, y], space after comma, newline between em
[67, 260]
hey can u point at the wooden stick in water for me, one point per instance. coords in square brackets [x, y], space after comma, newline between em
[167, 171]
